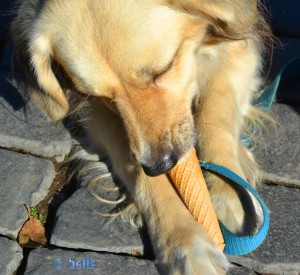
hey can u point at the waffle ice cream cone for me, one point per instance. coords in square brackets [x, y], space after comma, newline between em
[189, 181]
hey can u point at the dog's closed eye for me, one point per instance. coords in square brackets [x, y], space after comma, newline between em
[157, 75]
[153, 76]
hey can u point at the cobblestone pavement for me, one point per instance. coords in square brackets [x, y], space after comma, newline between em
[32, 150]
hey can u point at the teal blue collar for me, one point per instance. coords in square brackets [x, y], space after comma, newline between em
[240, 245]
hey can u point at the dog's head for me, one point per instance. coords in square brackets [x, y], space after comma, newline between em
[141, 56]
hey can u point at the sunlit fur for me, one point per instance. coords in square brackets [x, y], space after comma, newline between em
[145, 77]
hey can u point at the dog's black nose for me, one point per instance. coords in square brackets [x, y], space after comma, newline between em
[165, 164]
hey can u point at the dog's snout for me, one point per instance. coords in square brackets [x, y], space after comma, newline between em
[162, 166]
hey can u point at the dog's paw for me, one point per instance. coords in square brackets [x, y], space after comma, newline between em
[195, 257]
[235, 207]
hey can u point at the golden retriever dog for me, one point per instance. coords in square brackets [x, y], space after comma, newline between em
[158, 77]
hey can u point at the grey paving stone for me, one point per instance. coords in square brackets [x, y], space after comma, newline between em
[274, 268]
[240, 271]
[24, 127]
[24, 179]
[80, 225]
[279, 254]
[10, 256]
[57, 261]
[279, 152]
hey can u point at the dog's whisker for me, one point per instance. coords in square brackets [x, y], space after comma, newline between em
[96, 182]
[107, 201]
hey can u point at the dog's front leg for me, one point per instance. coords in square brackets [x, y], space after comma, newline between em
[220, 121]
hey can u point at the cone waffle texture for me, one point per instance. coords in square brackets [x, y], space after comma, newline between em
[189, 181]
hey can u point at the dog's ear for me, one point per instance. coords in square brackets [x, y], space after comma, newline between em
[48, 93]
[237, 14]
